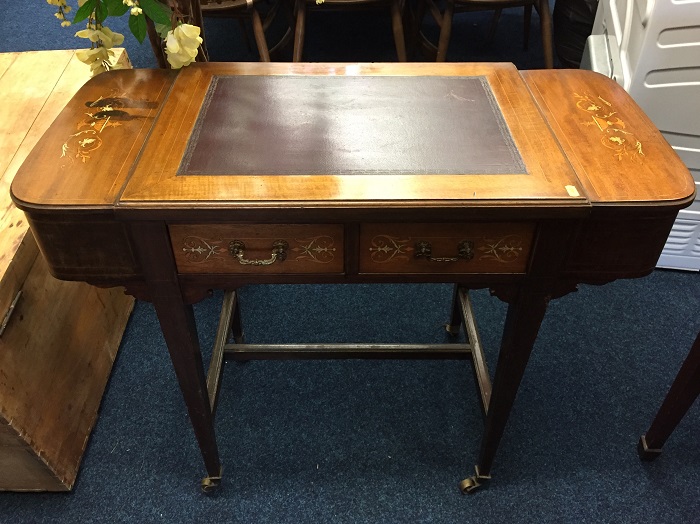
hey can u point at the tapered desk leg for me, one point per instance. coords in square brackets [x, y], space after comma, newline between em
[522, 325]
[180, 332]
[684, 390]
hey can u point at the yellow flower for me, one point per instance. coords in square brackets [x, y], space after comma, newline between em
[89, 56]
[105, 35]
[97, 67]
[115, 38]
[182, 44]
[98, 58]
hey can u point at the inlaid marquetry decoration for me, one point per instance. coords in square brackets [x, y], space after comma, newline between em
[386, 248]
[504, 250]
[614, 134]
[320, 249]
[198, 249]
[104, 113]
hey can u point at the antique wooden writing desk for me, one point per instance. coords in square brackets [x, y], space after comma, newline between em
[221, 175]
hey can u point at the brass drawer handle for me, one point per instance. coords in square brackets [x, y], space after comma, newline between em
[465, 251]
[279, 252]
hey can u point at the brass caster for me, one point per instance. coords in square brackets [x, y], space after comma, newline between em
[452, 330]
[470, 485]
[211, 484]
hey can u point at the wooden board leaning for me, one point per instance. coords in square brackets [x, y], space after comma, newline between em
[58, 344]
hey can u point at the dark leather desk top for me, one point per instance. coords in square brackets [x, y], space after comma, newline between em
[383, 125]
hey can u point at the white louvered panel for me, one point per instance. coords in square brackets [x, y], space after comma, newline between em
[680, 238]
[682, 249]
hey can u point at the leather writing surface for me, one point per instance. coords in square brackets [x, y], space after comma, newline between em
[308, 125]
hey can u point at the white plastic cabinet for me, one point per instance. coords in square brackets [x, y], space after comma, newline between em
[652, 49]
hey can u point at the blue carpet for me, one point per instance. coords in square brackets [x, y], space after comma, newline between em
[386, 441]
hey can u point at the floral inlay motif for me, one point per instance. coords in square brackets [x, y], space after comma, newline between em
[319, 249]
[505, 249]
[614, 133]
[103, 113]
[386, 248]
[197, 249]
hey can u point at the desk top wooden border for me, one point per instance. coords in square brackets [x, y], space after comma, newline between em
[560, 136]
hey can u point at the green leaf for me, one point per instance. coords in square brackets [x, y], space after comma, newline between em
[162, 30]
[116, 7]
[85, 11]
[137, 24]
[156, 11]
[101, 12]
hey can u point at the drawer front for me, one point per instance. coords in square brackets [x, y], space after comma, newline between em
[445, 248]
[258, 248]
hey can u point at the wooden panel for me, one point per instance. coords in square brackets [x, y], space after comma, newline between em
[54, 370]
[25, 252]
[36, 86]
[313, 248]
[494, 248]
[57, 351]
[26, 83]
[26, 87]
[619, 246]
[617, 152]
[6, 60]
[549, 174]
[69, 254]
[94, 140]
[22, 469]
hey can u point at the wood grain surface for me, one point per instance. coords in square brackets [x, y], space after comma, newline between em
[63, 336]
[36, 86]
[155, 177]
[616, 151]
[599, 198]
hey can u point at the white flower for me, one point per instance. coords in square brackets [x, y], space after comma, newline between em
[182, 44]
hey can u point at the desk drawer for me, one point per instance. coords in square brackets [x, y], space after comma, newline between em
[445, 248]
[258, 248]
